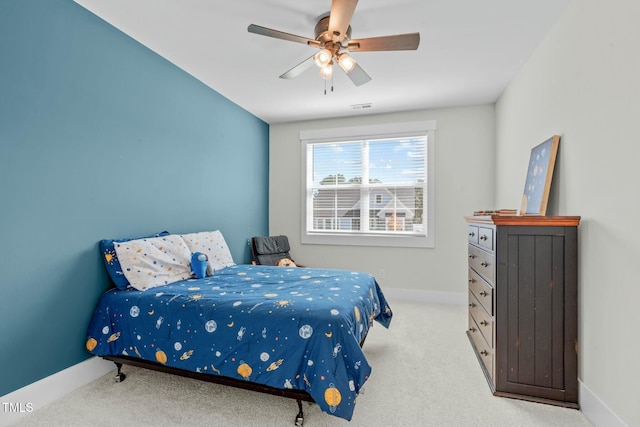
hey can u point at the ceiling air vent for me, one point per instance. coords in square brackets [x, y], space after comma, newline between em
[361, 106]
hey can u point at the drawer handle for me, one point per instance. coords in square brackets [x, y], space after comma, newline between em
[484, 323]
[484, 353]
[472, 305]
[483, 237]
[472, 234]
[472, 280]
[472, 330]
[472, 256]
[484, 264]
[483, 293]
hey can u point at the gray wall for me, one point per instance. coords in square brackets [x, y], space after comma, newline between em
[583, 84]
[464, 181]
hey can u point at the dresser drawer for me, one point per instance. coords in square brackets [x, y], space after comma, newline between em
[473, 234]
[481, 290]
[484, 352]
[482, 319]
[483, 262]
[485, 238]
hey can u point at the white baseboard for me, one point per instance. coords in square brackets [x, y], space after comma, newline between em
[598, 413]
[596, 410]
[429, 297]
[19, 403]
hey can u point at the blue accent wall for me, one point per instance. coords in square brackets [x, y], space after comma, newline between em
[102, 138]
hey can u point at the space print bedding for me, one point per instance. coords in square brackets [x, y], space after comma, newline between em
[288, 328]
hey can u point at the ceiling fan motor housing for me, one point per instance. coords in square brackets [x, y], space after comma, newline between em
[322, 31]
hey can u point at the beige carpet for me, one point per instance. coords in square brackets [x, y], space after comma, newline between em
[424, 374]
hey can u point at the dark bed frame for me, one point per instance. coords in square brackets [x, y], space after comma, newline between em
[298, 395]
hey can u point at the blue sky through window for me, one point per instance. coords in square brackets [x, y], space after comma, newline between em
[391, 161]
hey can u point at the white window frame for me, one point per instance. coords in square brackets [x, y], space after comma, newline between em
[393, 130]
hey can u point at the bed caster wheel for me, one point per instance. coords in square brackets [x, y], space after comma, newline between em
[120, 376]
[300, 417]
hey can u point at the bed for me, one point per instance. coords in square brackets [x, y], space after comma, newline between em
[296, 332]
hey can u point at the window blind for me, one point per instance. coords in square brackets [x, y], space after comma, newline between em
[367, 186]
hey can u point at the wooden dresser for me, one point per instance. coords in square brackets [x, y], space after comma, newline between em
[523, 314]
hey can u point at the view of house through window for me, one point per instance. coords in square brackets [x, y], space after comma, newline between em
[369, 186]
[373, 187]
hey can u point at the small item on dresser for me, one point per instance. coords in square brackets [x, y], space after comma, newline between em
[199, 264]
[495, 212]
[485, 212]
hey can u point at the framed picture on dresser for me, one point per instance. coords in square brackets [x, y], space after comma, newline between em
[539, 175]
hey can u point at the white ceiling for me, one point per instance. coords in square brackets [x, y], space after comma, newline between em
[469, 50]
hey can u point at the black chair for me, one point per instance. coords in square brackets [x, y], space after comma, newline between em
[269, 250]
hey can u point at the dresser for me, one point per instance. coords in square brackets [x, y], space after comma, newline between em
[523, 314]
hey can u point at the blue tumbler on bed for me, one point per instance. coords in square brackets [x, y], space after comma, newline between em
[199, 264]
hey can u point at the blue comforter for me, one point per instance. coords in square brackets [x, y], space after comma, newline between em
[296, 328]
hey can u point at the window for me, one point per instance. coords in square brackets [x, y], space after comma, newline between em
[369, 186]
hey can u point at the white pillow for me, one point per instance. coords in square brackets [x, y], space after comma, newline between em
[155, 261]
[212, 244]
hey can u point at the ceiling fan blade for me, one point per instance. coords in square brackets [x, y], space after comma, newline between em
[358, 76]
[409, 41]
[298, 69]
[264, 31]
[340, 18]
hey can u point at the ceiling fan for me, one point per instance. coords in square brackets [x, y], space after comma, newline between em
[333, 38]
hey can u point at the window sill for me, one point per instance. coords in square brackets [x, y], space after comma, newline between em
[368, 240]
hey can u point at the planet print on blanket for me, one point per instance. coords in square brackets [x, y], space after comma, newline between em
[91, 344]
[333, 397]
[211, 326]
[161, 357]
[305, 331]
[244, 370]
[265, 325]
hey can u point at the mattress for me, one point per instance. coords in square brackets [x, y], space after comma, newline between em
[288, 328]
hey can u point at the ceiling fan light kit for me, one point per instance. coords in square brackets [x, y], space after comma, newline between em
[326, 72]
[346, 62]
[333, 38]
[323, 58]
